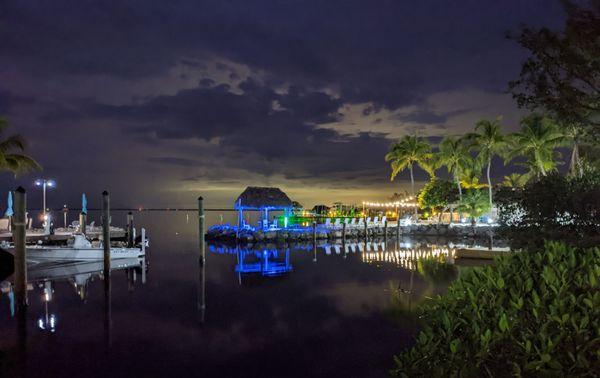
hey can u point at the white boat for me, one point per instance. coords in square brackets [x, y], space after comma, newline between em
[80, 249]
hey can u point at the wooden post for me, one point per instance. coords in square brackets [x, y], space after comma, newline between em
[366, 229]
[106, 232]
[398, 227]
[82, 222]
[385, 232]
[201, 262]
[65, 212]
[144, 270]
[314, 239]
[344, 238]
[201, 229]
[130, 241]
[201, 300]
[20, 259]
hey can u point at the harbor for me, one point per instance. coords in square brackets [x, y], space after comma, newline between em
[265, 279]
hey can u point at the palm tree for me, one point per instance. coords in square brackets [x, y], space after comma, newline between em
[488, 141]
[407, 152]
[574, 133]
[475, 204]
[454, 155]
[515, 180]
[537, 140]
[470, 175]
[14, 162]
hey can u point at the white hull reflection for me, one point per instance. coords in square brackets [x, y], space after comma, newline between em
[79, 271]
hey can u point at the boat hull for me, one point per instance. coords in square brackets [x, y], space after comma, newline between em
[46, 254]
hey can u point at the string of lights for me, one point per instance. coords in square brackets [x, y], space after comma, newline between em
[407, 202]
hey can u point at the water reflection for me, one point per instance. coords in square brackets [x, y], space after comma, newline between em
[201, 290]
[407, 256]
[423, 269]
[42, 280]
[274, 259]
[47, 322]
[266, 261]
[328, 308]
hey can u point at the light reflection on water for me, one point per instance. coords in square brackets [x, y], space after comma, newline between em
[325, 310]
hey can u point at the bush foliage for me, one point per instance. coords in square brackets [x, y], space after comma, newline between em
[533, 314]
[436, 195]
[553, 207]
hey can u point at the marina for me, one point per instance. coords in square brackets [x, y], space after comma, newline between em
[279, 294]
[294, 224]
[299, 189]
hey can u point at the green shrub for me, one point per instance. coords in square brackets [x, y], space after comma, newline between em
[553, 207]
[436, 195]
[532, 314]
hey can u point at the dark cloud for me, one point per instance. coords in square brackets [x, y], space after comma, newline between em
[248, 124]
[429, 117]
[174, 161]
[208, 91]
[387, 52]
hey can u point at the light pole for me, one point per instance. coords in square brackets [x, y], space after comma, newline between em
[45, 183]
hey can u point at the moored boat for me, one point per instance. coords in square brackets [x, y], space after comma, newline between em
[79, 248]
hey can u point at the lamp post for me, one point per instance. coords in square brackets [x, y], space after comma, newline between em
[45, 183]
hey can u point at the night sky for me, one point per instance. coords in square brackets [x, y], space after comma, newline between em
[160, 101]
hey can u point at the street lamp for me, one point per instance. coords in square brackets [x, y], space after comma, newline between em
[45, 183]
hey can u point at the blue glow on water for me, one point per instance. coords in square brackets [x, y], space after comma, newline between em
[267, 262]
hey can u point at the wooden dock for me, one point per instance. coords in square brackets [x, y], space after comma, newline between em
[481, 253]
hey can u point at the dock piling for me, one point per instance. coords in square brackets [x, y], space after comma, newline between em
[366, 230]
[20, 259]
[314, 240]
[385, 231]
[130, 237]
[201, 229]
[106, 232]
[344, 232]
[82, 222]
[65, 213]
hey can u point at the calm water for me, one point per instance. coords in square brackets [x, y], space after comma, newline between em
[268, 311]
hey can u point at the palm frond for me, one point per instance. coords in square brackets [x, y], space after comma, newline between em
[408, 151]
[12, 142]
[19, 164]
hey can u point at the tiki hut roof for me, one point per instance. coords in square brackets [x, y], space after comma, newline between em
[255, 197]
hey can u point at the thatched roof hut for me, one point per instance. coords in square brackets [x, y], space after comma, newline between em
[260, 198]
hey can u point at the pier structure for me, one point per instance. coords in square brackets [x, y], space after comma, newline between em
[358, 231]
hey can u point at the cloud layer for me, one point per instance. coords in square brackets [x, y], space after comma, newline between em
[187, 96]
